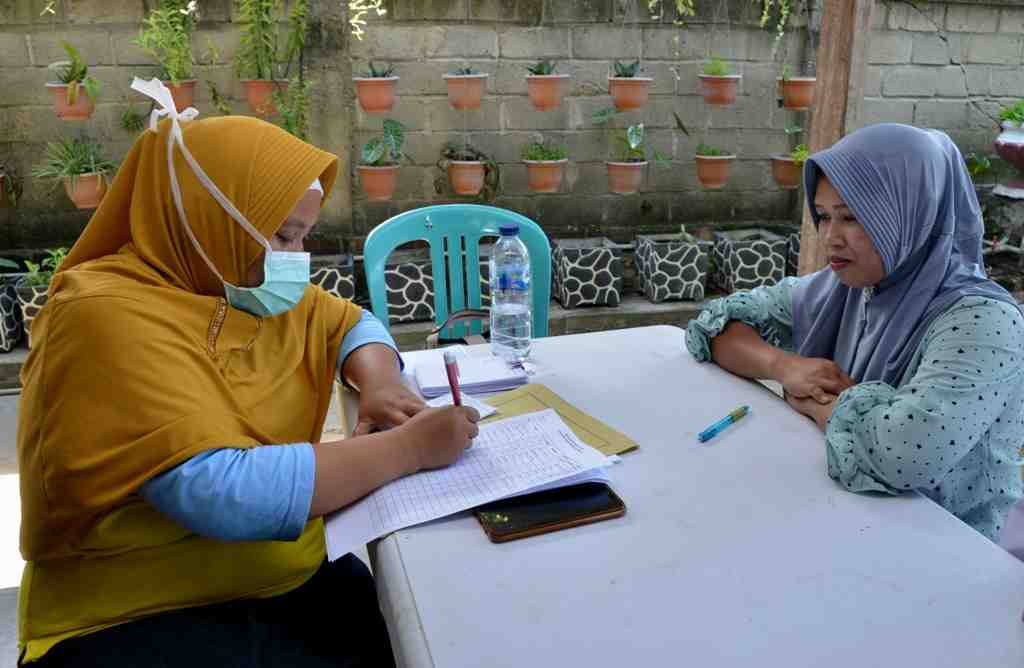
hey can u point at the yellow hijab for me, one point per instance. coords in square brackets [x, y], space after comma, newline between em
[138, 364]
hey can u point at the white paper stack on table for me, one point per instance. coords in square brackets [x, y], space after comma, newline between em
[508, 458]
[480, 372]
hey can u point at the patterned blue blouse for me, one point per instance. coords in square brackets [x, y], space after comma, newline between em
[953, 428]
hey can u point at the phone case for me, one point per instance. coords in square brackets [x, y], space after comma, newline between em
[550, 510]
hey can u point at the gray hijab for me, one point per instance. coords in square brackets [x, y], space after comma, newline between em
[911, 191]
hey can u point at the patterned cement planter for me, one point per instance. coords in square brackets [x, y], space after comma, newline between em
[32, 298]
[587, 272]
[10, 313]
[337, 277]
[793, 257]
[670, 268]
[409, 279]
[748, 259]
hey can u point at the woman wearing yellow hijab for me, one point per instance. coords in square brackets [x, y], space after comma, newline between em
[178, 383]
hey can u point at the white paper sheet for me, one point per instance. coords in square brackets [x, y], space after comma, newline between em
[480, 372]
[508, 457]
[483, 409]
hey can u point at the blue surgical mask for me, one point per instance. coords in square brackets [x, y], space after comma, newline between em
[285, 274]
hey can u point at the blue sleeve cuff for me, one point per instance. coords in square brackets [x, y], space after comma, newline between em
[368, 330]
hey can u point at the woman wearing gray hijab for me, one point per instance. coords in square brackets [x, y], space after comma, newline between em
[905, 354]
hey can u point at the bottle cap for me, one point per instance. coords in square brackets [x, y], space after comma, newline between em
[509, 230]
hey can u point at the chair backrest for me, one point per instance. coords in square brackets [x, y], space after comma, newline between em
[453, 232]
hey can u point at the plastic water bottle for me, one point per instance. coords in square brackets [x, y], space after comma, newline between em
[511, 312]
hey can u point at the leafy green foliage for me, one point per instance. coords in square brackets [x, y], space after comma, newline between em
[468, 153]
[257, 50]
[11, 183]
[70, 158]
[298, 19]
[131, 120]
[218, 100]
[716, 67]
[8, 264]
[543, 151]
[42, 273]
[167, 37]
[710, 151]
[374, 72]
[385, 149]
[680, 125]
[978, 165]
[800, 154]
[782, 9]
[793, 129]
[74, 72]
[684, 8]
[787, 72]
[465, 71]
[293, 107]
[1013, 113]
[627, 70]
[542, 68]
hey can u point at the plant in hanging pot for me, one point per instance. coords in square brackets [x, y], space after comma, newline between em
[78, 164]
[376, 89]
[32, 288]
[718, 83]
[470, 171]
[787, 169]
[628, 90]
[258, 52]
[544, 86]
[378, 168]
[167, 37]
[1010, 147]
[466, 87]
[629, 156]
[797, 92]
[545, 166]
[713, 166]
[74, 92]
[293, 105]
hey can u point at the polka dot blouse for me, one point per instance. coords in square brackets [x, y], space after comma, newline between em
[953, 427]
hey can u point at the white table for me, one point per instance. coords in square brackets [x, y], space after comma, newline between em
[741, 552]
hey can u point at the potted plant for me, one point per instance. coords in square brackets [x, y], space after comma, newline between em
[628, 90]
[672, 266]
[797, 92]
[292, 103]
[545, 166]
[465, 87]
[713, 166]
[718, 83]
[1010, 147]
[470, 171]
[258, 52]
[72, 80]
[33, 286]
[544, 86]
[376, 89]
[787, 169]
[80, 165]
[167, 37]
[626, 169]
[378, 168]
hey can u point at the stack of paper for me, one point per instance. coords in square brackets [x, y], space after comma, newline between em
[508, 458]
[478, 374]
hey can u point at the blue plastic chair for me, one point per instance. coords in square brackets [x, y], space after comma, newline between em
[459, 227]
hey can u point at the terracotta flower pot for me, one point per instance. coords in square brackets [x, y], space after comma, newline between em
[719, 90]
[376, 94]
[378, 182]
[79, 111]
[466, 176]
[258, 93]
[466, 90]
[797, 92]
[1010, 147]
[545, 90]
[786, 171]
[545, 176]
[713, 171]
[629, 92]
[183, 95]
[624, 178]
[87, 190]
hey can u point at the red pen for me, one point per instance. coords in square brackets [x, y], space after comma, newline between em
[451, 367]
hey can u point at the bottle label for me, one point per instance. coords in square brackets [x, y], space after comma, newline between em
[514, 277]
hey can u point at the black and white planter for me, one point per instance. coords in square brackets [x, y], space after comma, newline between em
[11, 330]
[336, 276]
[409, 280]
[32, 299]
[793, 257]
[671, 268]
[587, 272]
[748, 259]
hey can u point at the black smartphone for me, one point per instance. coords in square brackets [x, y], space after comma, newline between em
[550, 510]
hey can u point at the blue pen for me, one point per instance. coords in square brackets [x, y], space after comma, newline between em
[714, 429]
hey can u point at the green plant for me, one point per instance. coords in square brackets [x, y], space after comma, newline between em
[543, 151]
[1014, 113]
[784, 9]
[465, 152]
[8, 264]
[710, 151]
[787, 72]
[70, 158]
[12, 186]
[298, 19]
[74, 72]
[542, 68]
[793, 129]
[978, 165]
[800, 154]
[684, 8]
[257, 51]
[716, 67]
[374, 72]
[627, 70]
[630, 142]
[167, 36]
[218, 100]
[40, 274]
[465, 71]
[386, 149]
[293, 107]
[131, 120]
